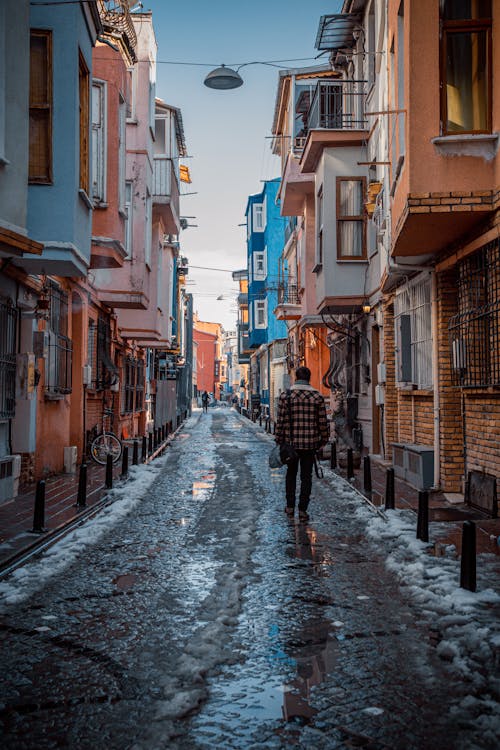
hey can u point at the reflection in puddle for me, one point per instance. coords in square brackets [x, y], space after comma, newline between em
[201, 488]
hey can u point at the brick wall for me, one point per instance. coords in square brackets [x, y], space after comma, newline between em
[482, 424]
[27, 475]
[415, 417]
[451, 428]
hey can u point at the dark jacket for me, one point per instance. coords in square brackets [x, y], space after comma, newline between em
[309, 424]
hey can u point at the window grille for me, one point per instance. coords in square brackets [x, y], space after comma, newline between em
[412, 313]
[60, 348]
[129, 370]
[105, 372]
[474, 331]
[139, 386]
[9, 317]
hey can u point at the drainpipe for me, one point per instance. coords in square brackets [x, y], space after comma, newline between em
[435, 378]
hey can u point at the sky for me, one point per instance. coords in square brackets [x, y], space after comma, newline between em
[227, 132]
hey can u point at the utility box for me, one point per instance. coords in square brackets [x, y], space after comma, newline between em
[70, 455]
[25, 376]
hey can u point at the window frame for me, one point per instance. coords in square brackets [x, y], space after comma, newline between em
[319, 229]
[260, 304]
[358, 217]
[129, 218]
[471, 25]
[46, 107]
[258, 211]
[414, 355]
[99, 148]
[84, 122]
[260, 275]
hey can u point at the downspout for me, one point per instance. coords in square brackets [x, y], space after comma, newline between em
[435, 379]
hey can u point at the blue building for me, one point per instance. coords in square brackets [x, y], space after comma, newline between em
[265, 240]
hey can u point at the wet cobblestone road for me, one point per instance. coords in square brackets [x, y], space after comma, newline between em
[207, 618]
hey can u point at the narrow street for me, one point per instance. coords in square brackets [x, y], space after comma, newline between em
[206, 618]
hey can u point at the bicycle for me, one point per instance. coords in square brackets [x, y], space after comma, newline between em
[106, 443]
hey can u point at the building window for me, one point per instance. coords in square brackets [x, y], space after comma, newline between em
[412, 316]
[259, 219]
[129, 384]
[40, 106]
[131, 93]
[351, 228]
[259, 266]
[9, 318]
[466, 78]
[319, 225]
[60, 348]
[139, 386]
[83, 87]
[147, 229]
[122, 154]
[260, 313]
[99, 141]
[475, 329]
[129, 214]
[104, 371]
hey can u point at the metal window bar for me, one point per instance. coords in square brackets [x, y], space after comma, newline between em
[129, 385]
[338, 106]
[415, 301]
[288, 294]
[474, 332]
[9, 318]
[139, 386]
[58, 319]
[58, 365]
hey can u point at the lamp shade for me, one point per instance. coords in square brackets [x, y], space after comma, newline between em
[223, 78]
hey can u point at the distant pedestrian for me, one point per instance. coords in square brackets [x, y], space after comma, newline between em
[205, 398]
[302, 424]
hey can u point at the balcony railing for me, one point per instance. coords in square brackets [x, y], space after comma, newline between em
[288, 294]
[338, 105]
[115, 17]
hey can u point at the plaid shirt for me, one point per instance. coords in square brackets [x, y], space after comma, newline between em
[309, 425]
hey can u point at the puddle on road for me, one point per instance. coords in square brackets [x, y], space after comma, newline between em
[202, 488]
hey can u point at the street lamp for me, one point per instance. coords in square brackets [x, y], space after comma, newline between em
[223, 79]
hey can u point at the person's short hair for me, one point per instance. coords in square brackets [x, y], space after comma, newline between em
[303, 373]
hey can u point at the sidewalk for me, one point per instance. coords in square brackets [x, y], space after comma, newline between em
[61, 510]
[441, 510]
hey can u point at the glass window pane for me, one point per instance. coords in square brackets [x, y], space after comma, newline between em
[455, 10]
[466, 81]
[351, 198]
[351, 239]
[38, 70]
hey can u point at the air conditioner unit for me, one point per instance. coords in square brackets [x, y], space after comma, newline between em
[379, 395]
[381, 377]
[87, 375]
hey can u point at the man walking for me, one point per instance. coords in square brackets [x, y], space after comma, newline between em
[301, 423]
[205, 398]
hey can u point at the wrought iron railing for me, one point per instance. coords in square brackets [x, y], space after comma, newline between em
[115, 17]
[338, 105]
[474, 331]
[9, 317]
[288, 294]
[58, 364]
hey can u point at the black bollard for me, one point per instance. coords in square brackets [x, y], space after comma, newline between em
[350, 464]
[274, 428]
[389, 489]
[155, 438]
[260, 420]
[81, 501]
[333, 456]
[423, 517]
[150, 443]
[109, 472]
[144, 451]
[468, 559]
[367, 474]
[39, 513]
[135, 453]
[124, 473]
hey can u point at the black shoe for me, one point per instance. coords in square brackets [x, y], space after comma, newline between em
[289, 510]
[303, 515]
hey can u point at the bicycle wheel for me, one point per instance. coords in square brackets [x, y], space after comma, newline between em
[104, 445]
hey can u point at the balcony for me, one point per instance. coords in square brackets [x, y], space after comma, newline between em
[166, 193]
[288, 307]
[336, 117]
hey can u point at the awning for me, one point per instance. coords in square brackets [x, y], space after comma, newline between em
[335, 31]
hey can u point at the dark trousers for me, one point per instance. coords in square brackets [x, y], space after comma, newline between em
[306, 461]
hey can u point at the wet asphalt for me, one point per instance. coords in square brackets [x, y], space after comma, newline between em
[207, 618]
